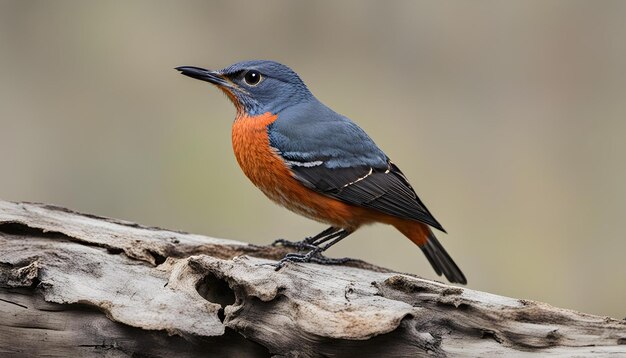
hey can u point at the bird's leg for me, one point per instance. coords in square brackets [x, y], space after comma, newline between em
[315, 254]
[321, 259]
[308, 243]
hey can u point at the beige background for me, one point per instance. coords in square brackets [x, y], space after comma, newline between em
[508, 117]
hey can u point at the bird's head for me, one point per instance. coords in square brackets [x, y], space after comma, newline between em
[255, 87]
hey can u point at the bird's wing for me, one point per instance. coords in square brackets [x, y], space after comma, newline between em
[336, 158]
[384, 189]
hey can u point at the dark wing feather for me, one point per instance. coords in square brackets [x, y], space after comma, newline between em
[384, 189]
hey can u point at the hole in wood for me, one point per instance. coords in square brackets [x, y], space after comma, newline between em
[216, 290]
[158, 258]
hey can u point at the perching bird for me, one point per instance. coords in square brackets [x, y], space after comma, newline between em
[318, 163]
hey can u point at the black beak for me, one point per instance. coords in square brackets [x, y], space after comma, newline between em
[198, 73]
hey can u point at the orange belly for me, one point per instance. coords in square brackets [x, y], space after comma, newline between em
[266, 169]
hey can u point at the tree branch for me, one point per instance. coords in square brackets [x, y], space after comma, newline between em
[80, 285]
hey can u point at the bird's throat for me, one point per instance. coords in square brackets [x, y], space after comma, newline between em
[253, 151]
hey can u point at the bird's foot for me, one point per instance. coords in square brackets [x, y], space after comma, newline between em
[296, 257]
[298, 245]
[323, 260]
[315, 256]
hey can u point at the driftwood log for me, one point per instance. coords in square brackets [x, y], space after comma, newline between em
[79, 285]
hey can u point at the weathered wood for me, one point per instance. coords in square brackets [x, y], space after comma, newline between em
[79, 285]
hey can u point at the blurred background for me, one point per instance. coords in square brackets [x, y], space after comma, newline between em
[509, 118]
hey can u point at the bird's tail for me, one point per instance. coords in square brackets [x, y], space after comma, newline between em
[438, 257]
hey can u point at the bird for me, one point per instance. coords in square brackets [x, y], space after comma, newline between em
[317, 163]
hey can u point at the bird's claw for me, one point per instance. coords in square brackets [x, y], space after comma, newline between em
[297, 257]
[314, 256]
[298, 245]
[323, 260]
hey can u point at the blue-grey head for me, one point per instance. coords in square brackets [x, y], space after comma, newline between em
[255, 87]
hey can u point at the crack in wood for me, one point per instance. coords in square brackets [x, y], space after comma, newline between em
[14, 303]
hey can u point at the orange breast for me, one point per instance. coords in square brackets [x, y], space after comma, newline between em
[266, 169]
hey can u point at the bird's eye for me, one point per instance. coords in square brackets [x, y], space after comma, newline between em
[252, 78]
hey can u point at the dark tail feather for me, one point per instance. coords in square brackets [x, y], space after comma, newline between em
[441, 261]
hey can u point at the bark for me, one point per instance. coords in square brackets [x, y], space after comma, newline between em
[79, 285]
